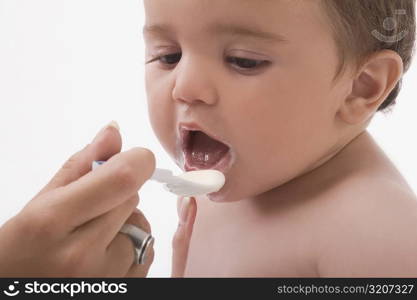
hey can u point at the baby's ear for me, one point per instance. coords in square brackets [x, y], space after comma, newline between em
[373, 82]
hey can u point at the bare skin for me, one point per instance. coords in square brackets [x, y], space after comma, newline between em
[353, 216]
[309, 193]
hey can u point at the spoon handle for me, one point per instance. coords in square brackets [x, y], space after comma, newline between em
[163, 175]
[160, 175]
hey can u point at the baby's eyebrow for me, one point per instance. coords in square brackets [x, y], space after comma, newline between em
[223, 29]
[246, 31]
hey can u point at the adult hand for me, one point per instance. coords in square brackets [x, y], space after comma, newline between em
[71, 227]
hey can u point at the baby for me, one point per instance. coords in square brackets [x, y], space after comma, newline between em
[277, 94]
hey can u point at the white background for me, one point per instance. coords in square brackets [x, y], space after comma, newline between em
[67, 68]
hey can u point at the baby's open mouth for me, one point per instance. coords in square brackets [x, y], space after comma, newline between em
[202, 151]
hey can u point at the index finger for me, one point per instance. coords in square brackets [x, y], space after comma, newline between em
[106, 188]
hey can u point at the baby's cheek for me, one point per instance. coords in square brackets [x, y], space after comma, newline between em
[267, 159]
[162, 120]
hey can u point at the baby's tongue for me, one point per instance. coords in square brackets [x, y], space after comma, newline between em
[205, 151]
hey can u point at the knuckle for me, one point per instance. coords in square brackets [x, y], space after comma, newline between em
[125, 176]
[69, 164]
[74, 260]
[134, 200]
[145, 225]
[138, 219]
[148, 161]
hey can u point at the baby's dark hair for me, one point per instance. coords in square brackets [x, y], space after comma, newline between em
[363, 27]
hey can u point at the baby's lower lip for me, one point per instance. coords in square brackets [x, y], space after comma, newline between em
[222, 165]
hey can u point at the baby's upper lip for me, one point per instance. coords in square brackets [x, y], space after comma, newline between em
[185, 127]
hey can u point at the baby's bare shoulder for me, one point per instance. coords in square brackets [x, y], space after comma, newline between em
[370, 229]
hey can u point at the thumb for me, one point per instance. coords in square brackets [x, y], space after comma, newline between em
[107, 143]
[182, 237]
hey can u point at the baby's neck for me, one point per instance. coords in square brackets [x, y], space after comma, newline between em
[347, 160]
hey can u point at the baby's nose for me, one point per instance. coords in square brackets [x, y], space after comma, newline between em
[194, 83]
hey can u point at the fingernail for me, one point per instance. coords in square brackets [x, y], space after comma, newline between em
[114, 124]
[184, 209]
[103, 130]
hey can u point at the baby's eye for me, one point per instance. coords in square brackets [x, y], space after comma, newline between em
[245, 63]
[170, 59]
[240, 62]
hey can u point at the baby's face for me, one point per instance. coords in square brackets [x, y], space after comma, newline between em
[254, 75]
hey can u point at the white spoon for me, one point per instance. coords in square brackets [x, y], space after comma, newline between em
[193, 183]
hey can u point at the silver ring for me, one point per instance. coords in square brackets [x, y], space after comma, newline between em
[141, 241]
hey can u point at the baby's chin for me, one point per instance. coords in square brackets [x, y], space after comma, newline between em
[238, 189]
[219, 196]
[228, 193]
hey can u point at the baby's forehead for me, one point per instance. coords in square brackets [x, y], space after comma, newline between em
[223, 29]
[234, 16]
[214, 9]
